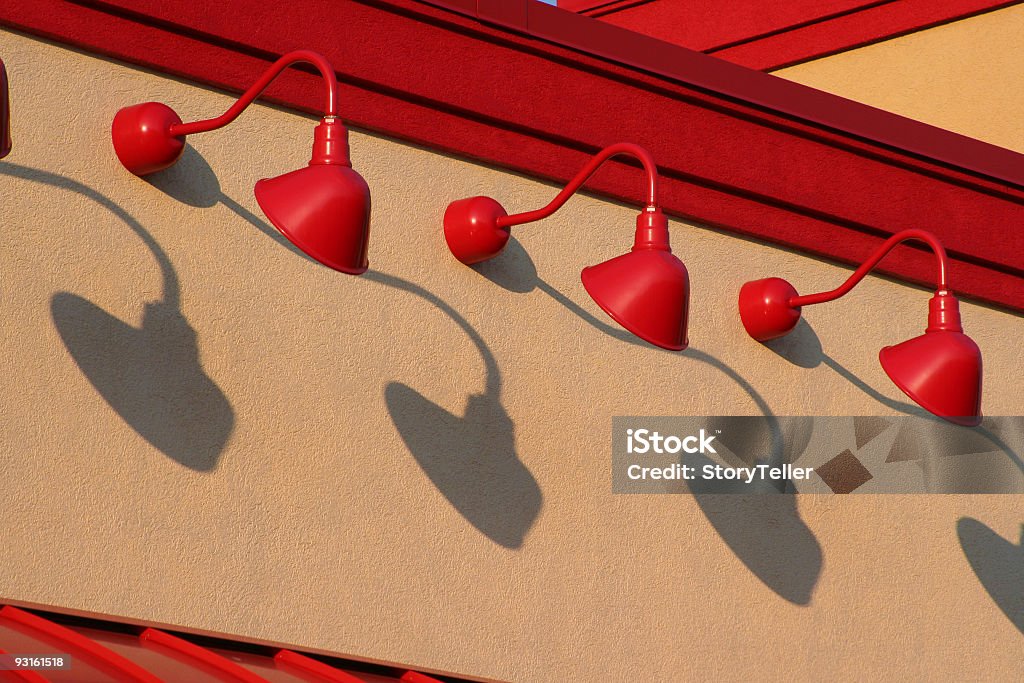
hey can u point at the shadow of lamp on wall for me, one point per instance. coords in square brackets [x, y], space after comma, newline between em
[760, 522]
[998, 564]
[763, 530]
[471, 458]
[647, 292]
[150, 375]
[193, 182]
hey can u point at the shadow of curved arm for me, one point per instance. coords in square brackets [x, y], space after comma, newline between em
[471, 459]
[150, 376]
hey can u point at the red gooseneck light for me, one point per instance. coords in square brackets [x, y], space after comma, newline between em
[324, 208]
[940, 370]
[5, 114]
[646, 291]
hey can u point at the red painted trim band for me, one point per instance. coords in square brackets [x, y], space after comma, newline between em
[594, 7]
[183, 662]
[417, 677]
[738, 150]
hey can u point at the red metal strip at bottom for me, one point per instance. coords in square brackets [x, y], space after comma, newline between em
[286, 659]
[200, 655]
[107, 660]
[417, 677]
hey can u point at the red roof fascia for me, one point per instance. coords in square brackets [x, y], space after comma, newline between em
[538, 89]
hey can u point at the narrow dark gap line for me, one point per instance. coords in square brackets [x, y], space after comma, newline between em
[891, 36]
[613, 6]
[797, 26]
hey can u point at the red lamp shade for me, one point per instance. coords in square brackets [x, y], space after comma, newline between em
[647, 290]
[324, 209]
[940, 370]
[5, 114]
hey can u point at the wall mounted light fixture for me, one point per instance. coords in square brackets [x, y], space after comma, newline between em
[940, 370]
[324, 209]
[5, 114]
[647, 290]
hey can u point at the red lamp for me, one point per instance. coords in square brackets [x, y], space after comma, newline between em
[324, 209]
[5, 114]
[940, 370]
[646, 290]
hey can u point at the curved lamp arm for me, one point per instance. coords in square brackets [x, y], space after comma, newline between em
[626, 148]
[940, 369]
[317, 60]
[867, 266]
[646, 290]
[150, 136]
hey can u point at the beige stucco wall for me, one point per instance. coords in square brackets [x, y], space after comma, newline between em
[963, 76]
[314, 524]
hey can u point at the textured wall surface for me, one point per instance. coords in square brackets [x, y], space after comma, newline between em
[962, 76]
[413, 465]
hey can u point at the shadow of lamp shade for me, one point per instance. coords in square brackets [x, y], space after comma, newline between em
[5, 114]
[324, 208]
[471, 459]
[940, 369]
[646, 291]
[151, 376]
[998, 564]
